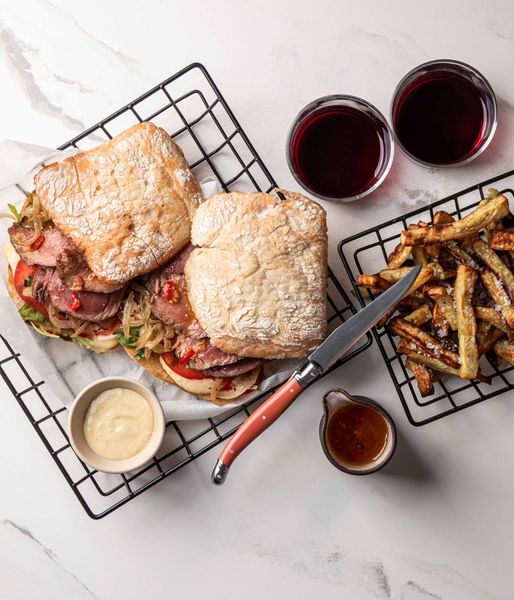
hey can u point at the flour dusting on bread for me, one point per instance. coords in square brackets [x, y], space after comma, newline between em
[258, 280]
[127, 204]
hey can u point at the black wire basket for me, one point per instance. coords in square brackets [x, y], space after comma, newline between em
[367, 252]
[190, 107]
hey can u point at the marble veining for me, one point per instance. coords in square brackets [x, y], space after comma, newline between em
[437, 523]
[131, 63]
[18, 52]
[47, 552]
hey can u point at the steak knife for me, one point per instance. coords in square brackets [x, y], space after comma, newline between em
[337, 344]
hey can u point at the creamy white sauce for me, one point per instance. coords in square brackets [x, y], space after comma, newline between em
[118, 423]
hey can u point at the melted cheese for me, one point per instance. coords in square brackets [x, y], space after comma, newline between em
[204, 387]
[11, 255]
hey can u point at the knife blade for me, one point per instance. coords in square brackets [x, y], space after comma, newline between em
[342, 339]
[332, 349]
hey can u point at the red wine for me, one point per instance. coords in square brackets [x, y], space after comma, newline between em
[440, 118]
[336, 151]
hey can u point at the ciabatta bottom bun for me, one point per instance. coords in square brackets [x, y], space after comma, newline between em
[219, 390]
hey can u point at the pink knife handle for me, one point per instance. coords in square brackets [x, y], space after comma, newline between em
[259, 421]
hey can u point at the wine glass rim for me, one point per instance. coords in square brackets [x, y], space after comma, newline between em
[342, 99]
[463, 69]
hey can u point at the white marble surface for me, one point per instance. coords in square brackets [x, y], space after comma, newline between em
[438, 523]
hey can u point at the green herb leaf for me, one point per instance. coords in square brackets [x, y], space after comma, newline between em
[84, 341]
[129, 342]
[31, 314]
[27, 282]
[15, 212]
[140, 354]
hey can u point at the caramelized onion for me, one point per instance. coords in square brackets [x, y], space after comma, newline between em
[154, 335]
[59, 321]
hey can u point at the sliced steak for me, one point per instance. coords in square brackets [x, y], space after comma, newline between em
[156, 280]
[244, 365]
[168, 295]
[54, 249]
[73, 270]
[195, 331]
[40, 282]
[177, 263]
[176, 312]
[44, 251]
[93, 306]
[205, 354]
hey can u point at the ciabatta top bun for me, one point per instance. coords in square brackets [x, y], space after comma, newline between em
[257, 280]
[127, 204]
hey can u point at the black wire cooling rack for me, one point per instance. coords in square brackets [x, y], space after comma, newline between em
[367, 252]
[191, 108]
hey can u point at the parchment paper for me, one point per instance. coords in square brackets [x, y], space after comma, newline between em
[66, 367]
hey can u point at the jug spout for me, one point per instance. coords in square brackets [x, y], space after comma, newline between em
[334, 399]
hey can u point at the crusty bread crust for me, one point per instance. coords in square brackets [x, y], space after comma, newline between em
[152, 365]
[126, 204]
[258, 281]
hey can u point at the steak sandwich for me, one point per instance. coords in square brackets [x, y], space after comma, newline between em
[115, 247]
[94, 222]
[250, 286]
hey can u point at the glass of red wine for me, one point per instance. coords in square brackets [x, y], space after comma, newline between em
[339, 148]
[444, 113]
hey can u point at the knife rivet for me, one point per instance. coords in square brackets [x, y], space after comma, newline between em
[263, 417]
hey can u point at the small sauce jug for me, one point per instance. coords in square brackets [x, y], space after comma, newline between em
[357, 435]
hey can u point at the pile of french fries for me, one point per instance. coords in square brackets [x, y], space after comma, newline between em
[461, 306]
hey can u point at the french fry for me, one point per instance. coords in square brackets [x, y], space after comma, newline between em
[442, 217]
[445, 304]
[432, 270]
[424, 340]
[456, 250]
[373, 282]
[495, 263]
[505, 350]
[413, 300]
[419, 256]
[398, 256]
[440, 323]
[466, 323]
[487, 336]
[434, 250]
[499, 295]
[483, 330]
[408, 302]
[496, 207]
[438, 365]
[435, 289]
[394, 275]
[383, 321]
[420, 315]
[391, 276]
[424, 377]
[502, 240]
[441, 273]
[492, 316]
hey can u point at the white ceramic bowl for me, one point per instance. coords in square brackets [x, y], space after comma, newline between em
[77, 415]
